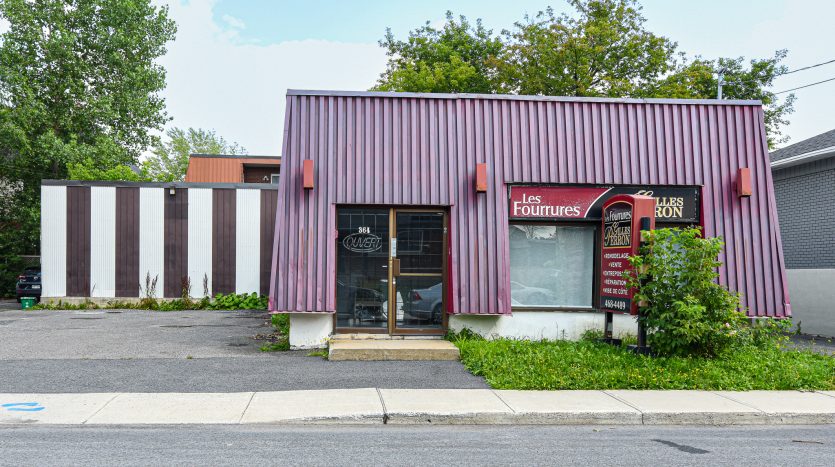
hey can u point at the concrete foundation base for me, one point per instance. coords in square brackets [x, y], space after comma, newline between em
[313, 330]
[537, 325]
[310, 330]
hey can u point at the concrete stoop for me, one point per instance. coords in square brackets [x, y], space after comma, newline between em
[390, 349]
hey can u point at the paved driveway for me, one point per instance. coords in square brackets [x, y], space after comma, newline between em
[188, 351]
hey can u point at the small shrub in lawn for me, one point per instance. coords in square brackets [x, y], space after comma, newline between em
[685, 311]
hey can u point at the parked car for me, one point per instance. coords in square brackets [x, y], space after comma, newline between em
[29, 284]
[530, 296]
[426, 304]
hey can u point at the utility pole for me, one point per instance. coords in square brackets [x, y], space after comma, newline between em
[719, 85]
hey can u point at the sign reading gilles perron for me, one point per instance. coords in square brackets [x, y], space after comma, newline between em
[621, 238]
[672, 203]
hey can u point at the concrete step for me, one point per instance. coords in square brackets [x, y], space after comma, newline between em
[382, 336]
[375, 349]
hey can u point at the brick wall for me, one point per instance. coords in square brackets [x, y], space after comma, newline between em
[805, 196]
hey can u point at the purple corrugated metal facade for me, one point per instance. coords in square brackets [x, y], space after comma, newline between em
[422, 150]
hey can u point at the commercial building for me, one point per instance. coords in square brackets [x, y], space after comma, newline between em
[407, 214]
[224, 168]
[106, 240]
[804, 186]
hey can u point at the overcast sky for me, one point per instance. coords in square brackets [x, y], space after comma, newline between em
[233, 60]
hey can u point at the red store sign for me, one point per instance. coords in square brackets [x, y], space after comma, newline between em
[621, 238]
[548, 202]
[676, 204]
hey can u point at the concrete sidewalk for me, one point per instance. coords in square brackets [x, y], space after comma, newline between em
[423, 406]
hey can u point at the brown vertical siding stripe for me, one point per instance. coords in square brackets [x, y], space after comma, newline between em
[127, 242]
[268, 206]
[78, 241]
[223, 241]
[176, 242]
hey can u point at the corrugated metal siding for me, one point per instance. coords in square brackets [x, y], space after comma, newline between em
[103, 241]
[393, 150]
[54, 241]
[152, 242]
[200, 220]
[223, 241]
[247, 241]
[78, 241]
[119, 234]
[127, 242]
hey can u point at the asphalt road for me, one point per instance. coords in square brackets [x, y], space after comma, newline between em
[193, 351]
[390, 445]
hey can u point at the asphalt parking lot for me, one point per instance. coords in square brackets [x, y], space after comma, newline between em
[189, 351]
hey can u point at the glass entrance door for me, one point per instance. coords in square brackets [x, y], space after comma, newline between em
[362, 269]
[419, 260]
[390, 266]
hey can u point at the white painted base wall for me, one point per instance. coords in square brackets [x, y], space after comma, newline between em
[310, 330]
[537, 325]
[812, 295]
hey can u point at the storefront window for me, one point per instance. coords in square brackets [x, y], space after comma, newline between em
[551, 266]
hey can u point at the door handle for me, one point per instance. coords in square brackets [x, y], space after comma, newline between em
[395, 266]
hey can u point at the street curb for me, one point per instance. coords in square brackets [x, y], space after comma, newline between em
[372, 406]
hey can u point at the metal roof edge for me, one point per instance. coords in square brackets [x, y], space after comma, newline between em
[805, 157]
[126, 184]
[608, 100]
[233, 156]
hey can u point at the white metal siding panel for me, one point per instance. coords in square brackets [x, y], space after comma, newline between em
[103, 241]
[54, 241]
[151, 238]
[199, 239]
[247, 241]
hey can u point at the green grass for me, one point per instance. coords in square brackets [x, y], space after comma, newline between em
[515, 364]
[281, 323]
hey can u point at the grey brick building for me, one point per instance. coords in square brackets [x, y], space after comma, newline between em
[804, 189]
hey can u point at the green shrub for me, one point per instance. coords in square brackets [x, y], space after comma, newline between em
[685, 311]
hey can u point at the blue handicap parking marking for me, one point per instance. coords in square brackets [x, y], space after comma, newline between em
[23, 407]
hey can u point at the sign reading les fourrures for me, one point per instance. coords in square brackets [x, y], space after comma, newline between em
[621, 238]
[672, 203]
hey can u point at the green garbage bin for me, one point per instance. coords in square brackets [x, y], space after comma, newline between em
[27, 302]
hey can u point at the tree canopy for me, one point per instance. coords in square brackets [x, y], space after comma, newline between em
[78, 81]
[170, 159]
[603, 49]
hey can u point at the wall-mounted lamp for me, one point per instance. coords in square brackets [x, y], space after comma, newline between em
[743, 182]
[172, 191]
[481, 178]
[307, 172]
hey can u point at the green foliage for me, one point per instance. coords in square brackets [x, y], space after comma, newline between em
[280, 341]
[455, 58]
[686, 312]
[698, 79]
[78, 80]
[170, 159]
[603, 49]
[220, 302]
[250, 301]
[550, 365]
[88, 170]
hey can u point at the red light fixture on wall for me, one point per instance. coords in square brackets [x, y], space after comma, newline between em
[481, 178]
[307, 170]
[743, 182]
